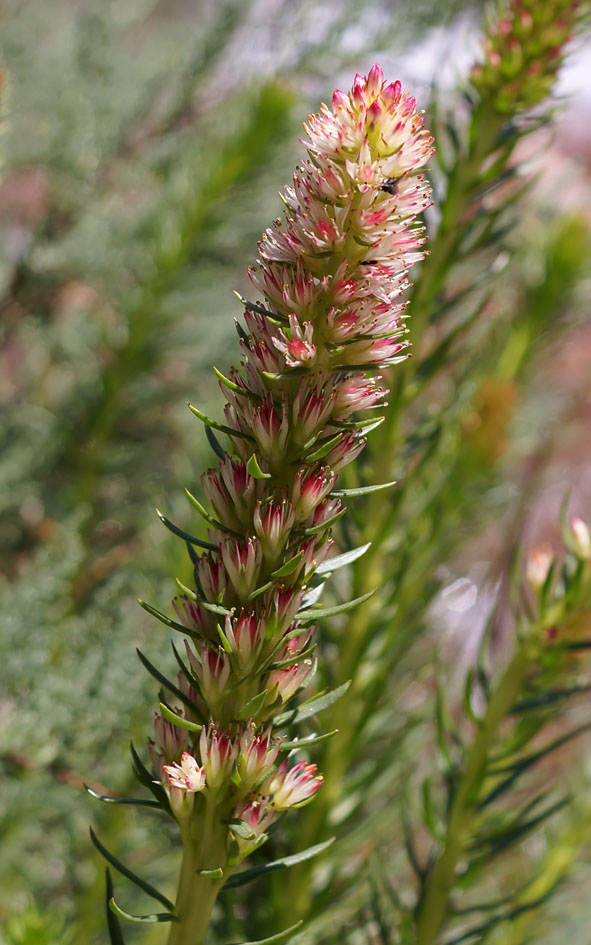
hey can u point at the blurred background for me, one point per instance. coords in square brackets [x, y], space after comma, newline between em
[143, 148]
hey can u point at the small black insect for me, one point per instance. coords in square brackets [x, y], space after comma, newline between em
[390, 186]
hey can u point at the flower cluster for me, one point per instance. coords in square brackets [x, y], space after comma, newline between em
[523, 50]
[329, 279]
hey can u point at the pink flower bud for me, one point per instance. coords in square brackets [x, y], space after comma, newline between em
[310, 488]
[284, 683]
[292, 788]
[170, 740]
[242, 561]
[245, 636]
[257, 814]
[273, 523]
[212, 670]
[218, 754]
[258, 753]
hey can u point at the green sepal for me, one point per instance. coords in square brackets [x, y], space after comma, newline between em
[181, 533]
[125, 871]
[316, 529]
[289, 566]
[362, 490]
[252, 707]
[206, 516]
[212, 874]
[313, 706]
[187, 591]
[321, 613]
[281, 938]
[144, 919]
[164, 681]
[224, 640]
[214, 608]
[333, 564]
[108, 799]
[253, 468]
[178, 720]
[242, 830]
[167, 621]
[291, 660]
[228, 383]
[306, 741]
[260, 590]
[113, 927]
[286, 375]
[222, 427]
[239, 879]
[324, 449]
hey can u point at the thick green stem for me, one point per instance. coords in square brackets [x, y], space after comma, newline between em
[434, 905]
[204, 847]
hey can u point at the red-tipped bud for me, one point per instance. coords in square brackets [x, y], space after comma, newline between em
[309, 489]
[242, 561]
[218, 754]
[273, 523]
[245, 636]
[292, 788]
[258, 753]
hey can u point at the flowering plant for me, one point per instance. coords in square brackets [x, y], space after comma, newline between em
[330, 277]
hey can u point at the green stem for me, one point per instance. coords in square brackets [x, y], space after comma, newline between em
[204, 847]
[434, 904]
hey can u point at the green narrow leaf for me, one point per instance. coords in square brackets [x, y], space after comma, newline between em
[180, 533]
[255, 470]
[214, 608]
[143, 919]
[321, 613]
[324, 449]
[108, 799]
[333, 564]
[113, 927]
[289, 566]
[222, 427]
[168, 621]
[260, 590]
[147, 779]
[178, 720]
[228, 383]
[291, 660]
[362, 490]
[246, 876]
[164, 681]
[318, 704]
[215, 444]
[125, 871]
[279, 939]
[261, 311]
[306, 741]
[316, 529]
[206, 516]
[252, 707]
